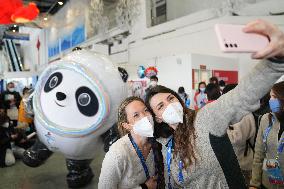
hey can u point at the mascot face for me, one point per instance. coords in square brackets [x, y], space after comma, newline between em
[70, 95]
[78, 95]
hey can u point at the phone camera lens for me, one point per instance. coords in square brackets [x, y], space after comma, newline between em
[231, 45]
[235, 45]
[226, 45]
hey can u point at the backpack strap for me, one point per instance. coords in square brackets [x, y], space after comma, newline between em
[248, 143]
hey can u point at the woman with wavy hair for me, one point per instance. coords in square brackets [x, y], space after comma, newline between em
[197, 152]
[135, 160]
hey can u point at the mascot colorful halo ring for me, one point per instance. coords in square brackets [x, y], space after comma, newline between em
[100, 92]
[59, 117]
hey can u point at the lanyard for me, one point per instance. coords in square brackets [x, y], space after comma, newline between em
[169, 161]
[140, 155]
[280, 143]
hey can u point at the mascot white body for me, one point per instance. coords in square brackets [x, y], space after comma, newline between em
[75, 101]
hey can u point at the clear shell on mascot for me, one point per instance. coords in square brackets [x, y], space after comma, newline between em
[74, 102]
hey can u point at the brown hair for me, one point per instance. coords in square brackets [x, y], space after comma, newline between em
[158, 157]
[122, 117]
[278, 90]
[184, 135]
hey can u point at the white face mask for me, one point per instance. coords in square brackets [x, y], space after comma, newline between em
[11, 89]
[173, 114]
[144, 127]
[222, 88]
[153, 83]
[5, 125]
[202, 89]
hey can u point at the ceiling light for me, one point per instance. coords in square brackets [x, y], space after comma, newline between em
[14, 30]
[45, 18]
[15, 26]
[60, 2]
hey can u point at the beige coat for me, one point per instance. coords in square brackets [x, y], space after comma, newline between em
[243, 131]
[122, 169]
[258, 175]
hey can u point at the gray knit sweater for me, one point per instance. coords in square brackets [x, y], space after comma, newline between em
[217, 166]
[122, 168]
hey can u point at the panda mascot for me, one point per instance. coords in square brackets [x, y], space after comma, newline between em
[74, 102]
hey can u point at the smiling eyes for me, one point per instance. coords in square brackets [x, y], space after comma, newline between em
[137, 115]
[170, 99]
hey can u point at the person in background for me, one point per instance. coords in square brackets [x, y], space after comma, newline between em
[24, 122]
[25, 126]
[222, 85]
[268, 162]
[184, 96]
[214, 80]
[10, 97]
[200, 97]
[7, 157]
[11, 100]
[133, 161]
[242, 136]
[213, 92]
[153, 82]
[229, 87]
[263, 109]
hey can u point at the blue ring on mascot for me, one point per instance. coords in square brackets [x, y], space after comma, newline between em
[49, 125]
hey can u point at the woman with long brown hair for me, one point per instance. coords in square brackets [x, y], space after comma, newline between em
[135, 160]
[269, 143]
[198, 153]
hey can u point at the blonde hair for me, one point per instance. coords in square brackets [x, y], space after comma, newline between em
[122, 116]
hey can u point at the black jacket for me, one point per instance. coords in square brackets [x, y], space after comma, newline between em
[6, 102]
[4, 144]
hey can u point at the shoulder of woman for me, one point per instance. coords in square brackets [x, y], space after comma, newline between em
[265, 117]
[120, 148]
[264, 120]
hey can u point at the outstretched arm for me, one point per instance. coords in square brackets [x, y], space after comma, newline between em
[232, 106]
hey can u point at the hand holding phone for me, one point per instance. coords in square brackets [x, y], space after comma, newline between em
[275, 46]
[232, 38]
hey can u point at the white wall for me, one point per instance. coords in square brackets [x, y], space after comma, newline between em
[214, 62]
[179, 8]
[33, 59]
[175, 73]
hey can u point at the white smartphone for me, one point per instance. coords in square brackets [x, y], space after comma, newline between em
[231, 38]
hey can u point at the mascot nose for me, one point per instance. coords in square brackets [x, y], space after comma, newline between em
[60, 96]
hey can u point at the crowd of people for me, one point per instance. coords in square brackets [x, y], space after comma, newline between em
[231, 138]
[16, 126]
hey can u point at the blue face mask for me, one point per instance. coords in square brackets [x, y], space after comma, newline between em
[274, 105]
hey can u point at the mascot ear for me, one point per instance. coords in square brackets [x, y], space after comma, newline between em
[123, 74]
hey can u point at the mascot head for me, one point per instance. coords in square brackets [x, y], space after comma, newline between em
[79, 95]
